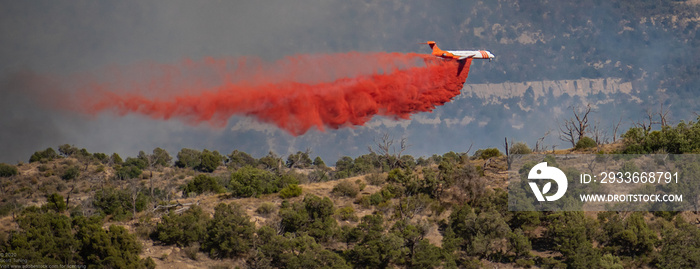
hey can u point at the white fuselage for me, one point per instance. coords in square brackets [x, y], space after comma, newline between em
[476, 54]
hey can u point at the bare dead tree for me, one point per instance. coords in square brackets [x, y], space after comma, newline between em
[650, 120]
[581, 121]
[507, 151]
[575, 128]
[134, 195]
[505, 144]
[615, 128]
[296, 159]
[645, 125]
[599, 135]
[385, 147]
[566, 133]
[539, 144]
[663, 114]
[469, 149]
[404, 145]
[464, 155]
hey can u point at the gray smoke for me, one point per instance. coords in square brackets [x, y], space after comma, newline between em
[63, 38]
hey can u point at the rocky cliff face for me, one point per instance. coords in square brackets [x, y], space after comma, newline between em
[556, 88]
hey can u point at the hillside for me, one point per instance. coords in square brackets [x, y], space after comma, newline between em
[216, 211]
[36, 180]
[646, 51]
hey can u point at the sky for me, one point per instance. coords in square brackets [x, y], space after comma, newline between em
[64, 39]
[48, 41]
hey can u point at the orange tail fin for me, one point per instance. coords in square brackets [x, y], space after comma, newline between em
[433, 45]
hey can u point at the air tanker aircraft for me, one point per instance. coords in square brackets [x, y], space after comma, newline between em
[459, 54]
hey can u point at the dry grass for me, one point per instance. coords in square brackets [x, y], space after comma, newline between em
[169, 179]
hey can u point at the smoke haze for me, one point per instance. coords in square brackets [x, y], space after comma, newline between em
[622, 57]
[295, 94]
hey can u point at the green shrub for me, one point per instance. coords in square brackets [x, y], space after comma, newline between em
[376, 198]
[341, 174]
[293, 251]
[53, 238]
[347, 213]
[230, 233]
[182, 229]
[7, 170]
[525, 263]
[67, 150]
[585, 143]
[55, 202]
[71, 173]
[344, 167]
[209, 161]
[453, 157]
[202, 184]
[118, 203]
[318, 162]
[314, 215]
[299, 160]
[682, 138]
[249, 181]
[101, 157]
[128, 172]
[238, 159]
[188, 158]
[346, 188]
[141, 163]
[487, 153]
[49, 154]
[292, 190]
[265, 209]
[116, 159]
[520, 148]
[7, 207]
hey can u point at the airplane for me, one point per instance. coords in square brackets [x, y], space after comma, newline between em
[459, 54]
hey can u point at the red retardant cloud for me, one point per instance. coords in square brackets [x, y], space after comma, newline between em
[295, 93]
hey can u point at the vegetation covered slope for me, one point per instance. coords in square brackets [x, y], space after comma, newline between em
[375, 211]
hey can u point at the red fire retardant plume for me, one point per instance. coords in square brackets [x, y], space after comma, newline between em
[296, 93]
